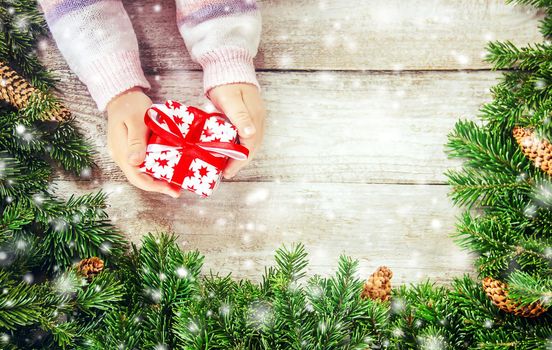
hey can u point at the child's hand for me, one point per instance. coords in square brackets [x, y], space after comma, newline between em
[244, 107]
[127, 137]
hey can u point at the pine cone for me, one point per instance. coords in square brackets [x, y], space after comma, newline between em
[498, 293]
[378, 285]
[539, 151]
[90, 267]
[16, 91]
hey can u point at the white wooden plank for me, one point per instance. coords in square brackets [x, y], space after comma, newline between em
[239, 228]
[349, 35]
[331, 126]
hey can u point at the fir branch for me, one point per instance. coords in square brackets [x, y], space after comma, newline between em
[546, 24]
[528, 289]
[291, 264]
[21, 305]
[118, 330]
[485, 150]
[507, 55]
[103, 294]
[170, 278]
[485, 188]
[22, 26]
[499, 244]
[533, 3]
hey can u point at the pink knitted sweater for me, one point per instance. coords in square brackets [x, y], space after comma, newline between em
[97, 40]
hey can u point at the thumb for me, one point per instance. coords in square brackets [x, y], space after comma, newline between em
[237, 112]
[137, 136]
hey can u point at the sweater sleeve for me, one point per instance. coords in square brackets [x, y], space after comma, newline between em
[97, 40]
[223, 37]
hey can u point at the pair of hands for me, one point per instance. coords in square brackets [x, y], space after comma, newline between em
[127, 134]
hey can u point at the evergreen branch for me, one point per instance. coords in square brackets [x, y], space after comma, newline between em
[486, 188]
[291, 263]
[118, 330]
[485, 150]
[506, 55]
[22, 27]
[533, 3]
[170, 277]
[103, 293]
[546, 24]
[528, 289]
[21, 305]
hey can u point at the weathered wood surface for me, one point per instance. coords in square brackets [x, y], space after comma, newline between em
[353, 158]
[240, 227]
[333, 126]
[351, 35]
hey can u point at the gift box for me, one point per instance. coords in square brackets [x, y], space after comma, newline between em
[189, 147]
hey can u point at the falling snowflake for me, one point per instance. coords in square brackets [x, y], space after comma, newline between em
[21, 244]
[155, 295]
[530, 210]
[257, 196]
[432, 342]
[260, 314]
[548, 252]
[322, 326]
[224, 310]
[20, 129]
[38, 199]
[315, 291]
[105, 247]
[86, 172]
[67, 283]
[398, 333]
[193, 327]
[398, 305]
[540, 84]
[4, 338]
[28, 278]
[436, 224]
[182, 272]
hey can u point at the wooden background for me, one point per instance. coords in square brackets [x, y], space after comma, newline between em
[360, 98]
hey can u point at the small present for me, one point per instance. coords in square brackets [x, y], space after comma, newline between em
[189, 148]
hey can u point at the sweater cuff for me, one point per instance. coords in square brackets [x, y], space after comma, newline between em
[227, 65]
[113, 74]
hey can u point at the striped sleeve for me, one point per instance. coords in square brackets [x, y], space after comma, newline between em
[97, 40]
[223, 37]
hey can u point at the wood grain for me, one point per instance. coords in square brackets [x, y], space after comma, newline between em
[349, 35]
[238, 229]
[360, 98]
[331, 126]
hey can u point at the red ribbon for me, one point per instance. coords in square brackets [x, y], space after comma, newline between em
[190, 144]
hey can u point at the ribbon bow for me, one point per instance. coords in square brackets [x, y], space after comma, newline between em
[214, 153]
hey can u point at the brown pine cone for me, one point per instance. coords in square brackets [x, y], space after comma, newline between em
[90, 267]
[378, 285]
[539, 151]
[16, 91]
[497, 291]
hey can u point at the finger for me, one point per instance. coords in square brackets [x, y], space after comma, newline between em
[147, 183]
[117, 142]
[255, 107]
[233, 167]
[136, 142]
[233, 106]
